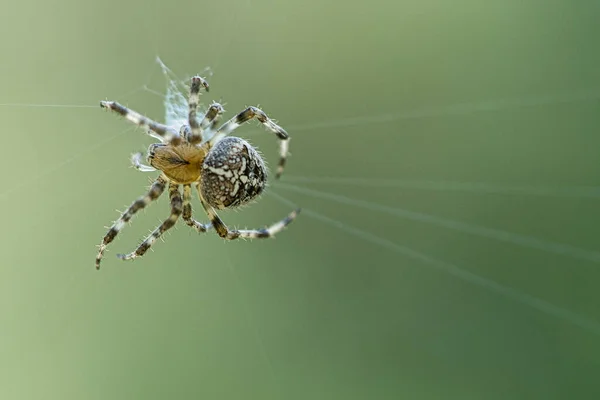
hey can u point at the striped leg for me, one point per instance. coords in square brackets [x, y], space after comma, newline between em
[176, 210]
[245, 116]
[154, 193]
[212, 116]
[187, 211]
[231, 234]
[195, 136]
[159, 131]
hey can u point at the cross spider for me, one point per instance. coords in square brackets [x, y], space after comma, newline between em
[226, 171]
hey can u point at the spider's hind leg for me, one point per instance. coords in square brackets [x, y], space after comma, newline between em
[231, 234]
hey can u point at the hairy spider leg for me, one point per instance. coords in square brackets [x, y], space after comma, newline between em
[245, 116]
[231, 234]
[212, 116]
[176, 210]
[187, 211]
[161, 132]
[154, 193]
[195, 136]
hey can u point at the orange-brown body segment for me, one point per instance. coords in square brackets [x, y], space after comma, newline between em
[181, 164]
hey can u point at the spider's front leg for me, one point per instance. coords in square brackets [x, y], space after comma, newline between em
[245, 116]
[153, 128]
[195, 136]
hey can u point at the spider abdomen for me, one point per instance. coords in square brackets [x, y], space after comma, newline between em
[233, 174]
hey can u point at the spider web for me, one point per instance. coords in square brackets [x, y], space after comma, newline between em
[175, 103]
[175, 98]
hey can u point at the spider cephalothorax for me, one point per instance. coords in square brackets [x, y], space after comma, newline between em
[226, 171]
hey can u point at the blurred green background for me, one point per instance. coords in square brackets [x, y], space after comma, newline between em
[445, 154]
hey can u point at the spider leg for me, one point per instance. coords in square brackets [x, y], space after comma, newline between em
[136, 160]
[193, 99]
[231, 234]
[176, 210]
[214, 112]
[245, 116]
[207, 125]
[187, 211]
[154, 193]
[153, 128]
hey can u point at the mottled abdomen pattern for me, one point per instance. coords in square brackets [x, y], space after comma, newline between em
[233, 174]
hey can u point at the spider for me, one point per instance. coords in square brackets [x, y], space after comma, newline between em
[226, 171]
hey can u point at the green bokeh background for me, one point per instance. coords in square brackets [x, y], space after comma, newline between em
[426, 94]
